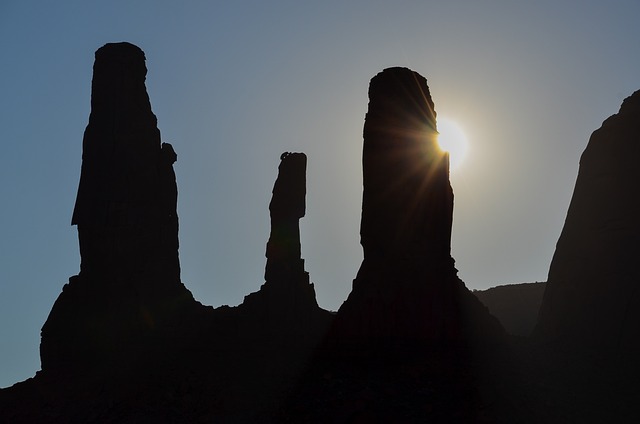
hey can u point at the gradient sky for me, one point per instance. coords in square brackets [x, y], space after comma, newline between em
[235, 84]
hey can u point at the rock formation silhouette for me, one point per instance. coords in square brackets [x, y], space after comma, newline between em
[126, 204]
[126, 342]
[129, 285]
[407, 309]
[125, 338]
[287, 206]
[592, 299]
[407, 287]
[286, 302]
[515, 305]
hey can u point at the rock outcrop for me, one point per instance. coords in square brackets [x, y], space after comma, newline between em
[129, 288]
[126, 204]
[126, 331]
[286, 302]
[407, 288]
[592, 299]
[126, 342]
[284, 261]
[515, 305]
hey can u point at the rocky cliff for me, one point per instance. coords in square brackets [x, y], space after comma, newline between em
[592, 297]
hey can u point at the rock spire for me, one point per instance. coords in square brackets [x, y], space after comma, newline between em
[287, 206]
[126, 204]
[129, 283]
[286, 303]
[407, 287]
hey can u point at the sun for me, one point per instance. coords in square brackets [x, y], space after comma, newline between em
[452, 139]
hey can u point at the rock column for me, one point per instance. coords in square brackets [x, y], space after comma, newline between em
[284, 262]
[128, 291]
[285, 310]
[126, 204]
[407, 288]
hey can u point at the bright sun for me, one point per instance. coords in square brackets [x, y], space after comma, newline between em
[453, 140]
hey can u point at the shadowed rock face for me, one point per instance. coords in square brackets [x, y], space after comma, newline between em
[125, 211]
[592, 297]
[407, 287]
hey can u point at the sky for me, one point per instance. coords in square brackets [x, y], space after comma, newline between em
[235, 84]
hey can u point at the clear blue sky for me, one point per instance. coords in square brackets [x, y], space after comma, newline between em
[234, 84]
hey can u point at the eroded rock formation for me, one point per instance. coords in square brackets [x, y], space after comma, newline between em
[126, 204]
[286, 302]
[284, 262]
[129, 283]
[126, 342]
[407, 287]
[592, 297]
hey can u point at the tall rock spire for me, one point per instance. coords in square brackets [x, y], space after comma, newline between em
[286, 303]
[407, 288]
[129, 283]
[126, 204]
[407, 203]
[592, 298]
[284, 262]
